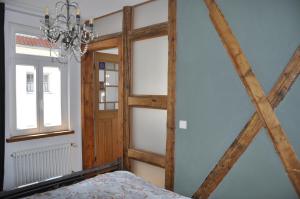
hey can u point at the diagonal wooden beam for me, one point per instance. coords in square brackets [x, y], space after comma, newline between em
[255, 91]
[251, 129]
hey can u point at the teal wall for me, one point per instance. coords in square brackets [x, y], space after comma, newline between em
[212, 99]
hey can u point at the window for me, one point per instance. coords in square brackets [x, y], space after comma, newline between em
[52, 100]
[26, 97]
[46, 83]
[29, 82]
[41, 102]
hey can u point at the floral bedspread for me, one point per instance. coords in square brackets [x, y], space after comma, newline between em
[116, 185]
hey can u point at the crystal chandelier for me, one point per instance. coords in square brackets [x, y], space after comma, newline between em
[64, 31]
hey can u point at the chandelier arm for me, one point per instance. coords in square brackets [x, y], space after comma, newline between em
[65, 4]
[74, 3]
[61, 16]
[59, 2]
[52, 39]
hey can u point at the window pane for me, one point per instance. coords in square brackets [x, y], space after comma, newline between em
[112, 78]
[26, 97]
[32, 45]
[110, 106]
[52, 96]
[111, 94]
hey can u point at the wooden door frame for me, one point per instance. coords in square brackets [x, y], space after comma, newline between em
[88, 101]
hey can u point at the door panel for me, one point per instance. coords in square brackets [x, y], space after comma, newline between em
[107, 147]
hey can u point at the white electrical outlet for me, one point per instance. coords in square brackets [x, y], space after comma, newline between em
[182, 124]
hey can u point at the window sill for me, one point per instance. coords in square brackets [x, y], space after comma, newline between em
[20, 138]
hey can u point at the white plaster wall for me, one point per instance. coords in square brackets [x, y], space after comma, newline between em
[150, 13]
[12, 17]
[150, 173]
[109, 24]
[150, 66]
[149, 130]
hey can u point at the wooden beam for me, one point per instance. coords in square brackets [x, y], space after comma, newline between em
[87, 110]
[170, 145]
[255, 91]
[105, 44]
[105, 57]
[147, 157]
[106, 37]
[156, 30]
[121, 100]
[251, 129]
[148, 101]
[127, 57]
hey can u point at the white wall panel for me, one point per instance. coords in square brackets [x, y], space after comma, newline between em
[150, 13]
[153, 174]
[150, 66]
[108, 25]
[149, 127]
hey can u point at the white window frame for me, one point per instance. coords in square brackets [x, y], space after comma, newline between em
[38, 62]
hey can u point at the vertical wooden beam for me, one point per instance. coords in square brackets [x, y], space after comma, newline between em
[121, 99]
[87, 110]
[127, 57]
[251, 129]
[170, 145]
[255, 91]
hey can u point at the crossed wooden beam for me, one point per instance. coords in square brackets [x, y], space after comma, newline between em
[264, 117]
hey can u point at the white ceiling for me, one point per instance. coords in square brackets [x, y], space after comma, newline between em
[89, 8]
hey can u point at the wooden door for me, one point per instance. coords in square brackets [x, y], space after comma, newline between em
[106, 143]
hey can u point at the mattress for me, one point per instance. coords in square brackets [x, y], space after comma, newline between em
[115, 185]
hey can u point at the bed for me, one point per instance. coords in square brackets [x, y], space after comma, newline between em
[118, 184]
[105, 182]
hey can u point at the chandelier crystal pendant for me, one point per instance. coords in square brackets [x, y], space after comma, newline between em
[64, 31]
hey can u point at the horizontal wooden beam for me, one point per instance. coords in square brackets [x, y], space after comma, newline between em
[148, 32]
[105, 57]
[147, 157]
[106, 37]
[105, 44]
[148, 101]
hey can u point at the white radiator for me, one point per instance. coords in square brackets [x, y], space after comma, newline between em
[42, 163]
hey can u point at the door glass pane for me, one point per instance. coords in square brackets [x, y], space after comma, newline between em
[112, 78]
[110, 106]
[52, 96]
[111, 94]
[26, 97]
[108, 86]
